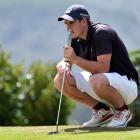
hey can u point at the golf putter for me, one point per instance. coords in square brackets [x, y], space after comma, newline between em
[62, 87]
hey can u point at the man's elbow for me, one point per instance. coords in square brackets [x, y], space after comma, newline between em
[105, 69]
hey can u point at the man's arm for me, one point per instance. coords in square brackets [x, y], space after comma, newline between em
[101, 65]
[61, 65]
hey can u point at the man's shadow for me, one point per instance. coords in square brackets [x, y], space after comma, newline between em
[78, 130]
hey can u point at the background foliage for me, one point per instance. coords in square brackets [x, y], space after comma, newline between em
[10, 89]
[29, 98]
[135, 57]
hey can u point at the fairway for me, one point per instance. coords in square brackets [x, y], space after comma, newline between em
[68, 133]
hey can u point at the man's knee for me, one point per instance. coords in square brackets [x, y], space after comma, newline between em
[57, 82]
[99, 83]
[96, 81]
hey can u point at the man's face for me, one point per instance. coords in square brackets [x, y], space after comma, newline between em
[76, 27]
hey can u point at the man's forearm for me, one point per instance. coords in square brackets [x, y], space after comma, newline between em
[91, 66]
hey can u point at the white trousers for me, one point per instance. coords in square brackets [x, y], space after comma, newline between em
[127, 88]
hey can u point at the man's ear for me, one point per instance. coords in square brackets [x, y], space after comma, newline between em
[84, 21]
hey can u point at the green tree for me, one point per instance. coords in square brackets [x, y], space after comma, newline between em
[135, 57]
[40, 102]
[29, 98]
[10, 88]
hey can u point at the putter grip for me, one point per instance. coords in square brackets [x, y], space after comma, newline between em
[68, 43]
[69, 38]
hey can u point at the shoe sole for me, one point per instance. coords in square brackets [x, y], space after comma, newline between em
[121, 126]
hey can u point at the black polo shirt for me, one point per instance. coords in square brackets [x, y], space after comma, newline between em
[102, 39]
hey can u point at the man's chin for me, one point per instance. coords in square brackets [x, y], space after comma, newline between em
[74, 36]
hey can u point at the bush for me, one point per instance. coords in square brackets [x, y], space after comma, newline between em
[135, 57]
[40, 103]
[10, 88]
[29, 99]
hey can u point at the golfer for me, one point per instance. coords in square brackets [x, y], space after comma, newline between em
[108, 80]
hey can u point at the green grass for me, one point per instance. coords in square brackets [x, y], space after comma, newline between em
[68, 133]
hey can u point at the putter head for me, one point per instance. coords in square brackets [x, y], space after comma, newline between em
[52, 132]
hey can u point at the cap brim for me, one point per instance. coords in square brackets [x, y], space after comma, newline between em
[65, 17]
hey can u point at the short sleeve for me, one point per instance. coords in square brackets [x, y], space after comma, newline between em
[103, 43]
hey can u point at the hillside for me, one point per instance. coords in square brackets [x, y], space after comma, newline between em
[30, 31]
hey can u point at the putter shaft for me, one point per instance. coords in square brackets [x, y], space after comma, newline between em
[62, 87]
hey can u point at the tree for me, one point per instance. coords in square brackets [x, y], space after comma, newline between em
[29, 98]
[40, 102]
[135, 57]
[10, 88]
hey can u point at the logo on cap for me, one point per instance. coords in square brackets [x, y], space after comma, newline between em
[68, 10]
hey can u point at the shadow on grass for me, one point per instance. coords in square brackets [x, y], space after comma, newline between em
[78, 130]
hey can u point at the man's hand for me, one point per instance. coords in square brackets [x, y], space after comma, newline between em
[61, 66]
[69, 54]
[69, 77]
[70, 80]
